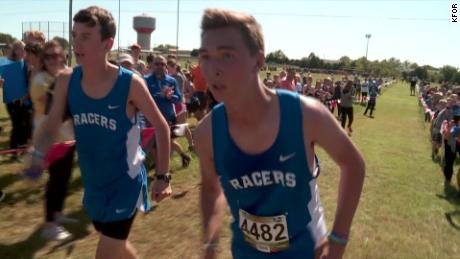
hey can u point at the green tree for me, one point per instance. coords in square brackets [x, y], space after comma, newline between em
[457, 78]
[362, 65]
[194, 53]
[277, 57]
[312, 61]
[6, 38]
[345, 62]
[448, 73]
[420, 72]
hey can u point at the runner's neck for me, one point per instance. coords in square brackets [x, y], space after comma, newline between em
[249, 108]
[98, 72]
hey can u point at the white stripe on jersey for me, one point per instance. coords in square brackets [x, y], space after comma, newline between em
[134, 151]
[317, 225]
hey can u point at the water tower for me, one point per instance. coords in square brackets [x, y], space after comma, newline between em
[144, 26]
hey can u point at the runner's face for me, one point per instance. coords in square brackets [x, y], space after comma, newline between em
[87, 43]
[54, 60]
[226, 63]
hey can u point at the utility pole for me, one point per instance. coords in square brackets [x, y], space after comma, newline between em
[119, 29]
[368, 36]
[69, 61]
[177, 31]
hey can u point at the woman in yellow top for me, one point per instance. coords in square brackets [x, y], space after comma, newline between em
[52, 61]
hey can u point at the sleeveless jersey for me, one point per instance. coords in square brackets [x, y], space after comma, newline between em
[273, 196]
[109, 154]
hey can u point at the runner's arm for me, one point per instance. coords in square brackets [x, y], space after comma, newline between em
[328, 134]
[49, 128]
[212, 197]
[142, 100]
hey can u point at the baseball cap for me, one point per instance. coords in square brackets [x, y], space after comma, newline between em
[135, 46]
[125, 58]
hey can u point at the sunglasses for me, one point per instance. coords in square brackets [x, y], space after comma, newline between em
[52, 56]
[159, 64]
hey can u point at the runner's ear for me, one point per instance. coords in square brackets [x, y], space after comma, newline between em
[109, 43]
[260, 60]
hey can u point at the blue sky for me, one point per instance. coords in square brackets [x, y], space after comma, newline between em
[418, 31]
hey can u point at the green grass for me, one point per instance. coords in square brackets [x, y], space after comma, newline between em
[405, 211]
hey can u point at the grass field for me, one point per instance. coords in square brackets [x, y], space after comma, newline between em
[405, 211]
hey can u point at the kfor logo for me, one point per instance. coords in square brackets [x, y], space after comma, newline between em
[454, 12]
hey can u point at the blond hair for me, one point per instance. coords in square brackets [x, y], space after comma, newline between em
[34, 36]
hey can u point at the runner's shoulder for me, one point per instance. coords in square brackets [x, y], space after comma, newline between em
[203, 129]
[311, 107]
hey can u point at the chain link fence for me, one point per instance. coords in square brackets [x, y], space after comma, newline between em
[49, 28]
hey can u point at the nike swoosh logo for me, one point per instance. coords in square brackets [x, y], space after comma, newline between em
[118, 211]
[113, 107]
[285, 158]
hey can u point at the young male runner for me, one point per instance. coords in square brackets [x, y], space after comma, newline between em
[257, 153]
[103, 101]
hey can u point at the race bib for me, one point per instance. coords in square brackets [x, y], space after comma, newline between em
[266, 234]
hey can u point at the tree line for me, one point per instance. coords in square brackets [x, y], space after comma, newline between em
[392, 67]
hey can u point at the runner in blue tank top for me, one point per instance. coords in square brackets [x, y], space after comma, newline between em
[103, 101]
[256, 152]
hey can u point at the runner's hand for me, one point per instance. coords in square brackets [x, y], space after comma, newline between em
[35, 168]
[209, 254]
[160, 190]
[322, 250]
[334, 251]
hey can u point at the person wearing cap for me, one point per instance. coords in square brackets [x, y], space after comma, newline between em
[126, 61]
[139, 65]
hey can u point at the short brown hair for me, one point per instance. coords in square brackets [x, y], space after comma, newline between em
[94, 15]
[49, 45]
[251, 31]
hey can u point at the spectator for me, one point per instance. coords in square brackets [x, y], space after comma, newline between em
[346, 103]
[200, 91]
[139, 65]
[289, 82]
[165, 91]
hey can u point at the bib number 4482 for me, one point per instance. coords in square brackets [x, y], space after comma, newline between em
[266, 234]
